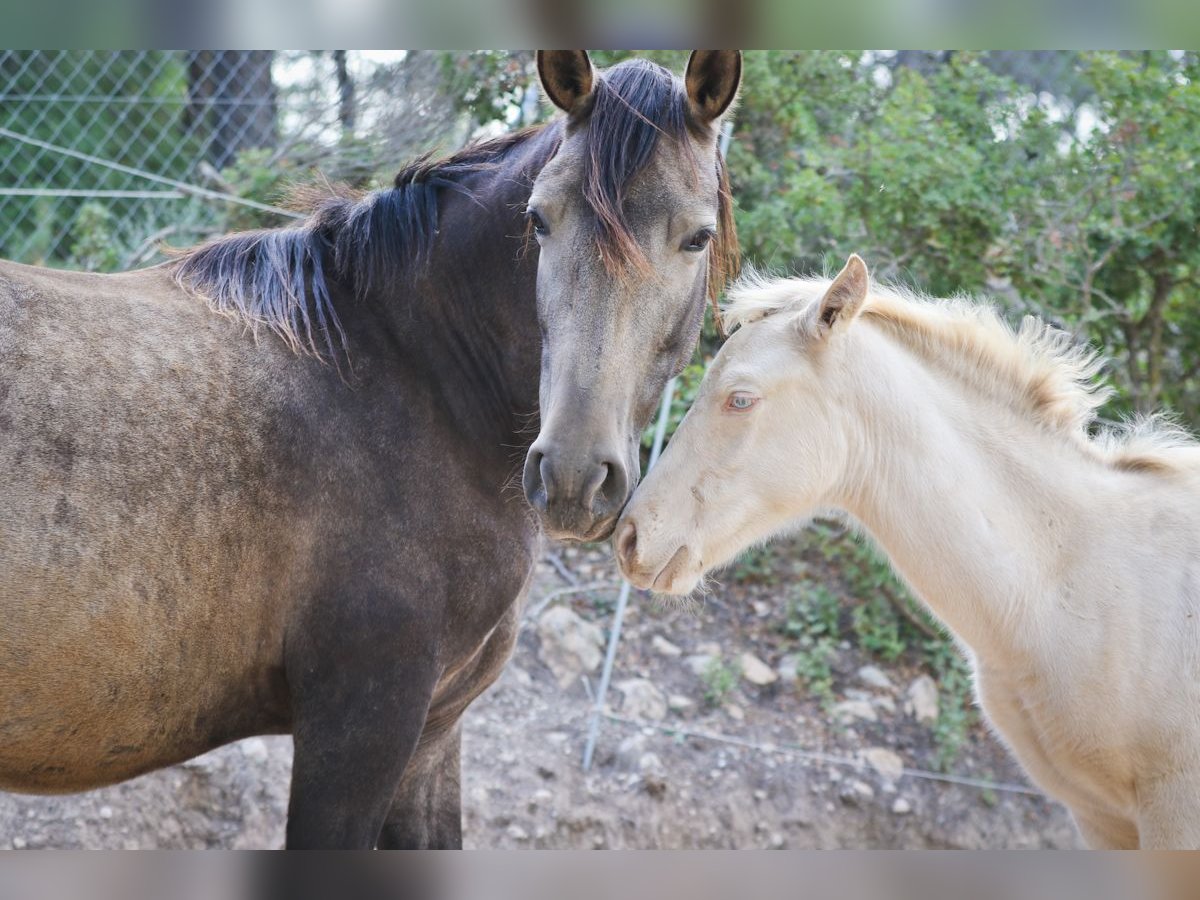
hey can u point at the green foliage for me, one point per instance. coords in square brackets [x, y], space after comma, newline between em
[94, 123]
[956, 712]
[93, 247]
[878, 628]
[720, 679]
[812, 623]
[956, 177]
[758, 564]
[256, 174]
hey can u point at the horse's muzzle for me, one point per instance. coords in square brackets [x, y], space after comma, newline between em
[576, 499]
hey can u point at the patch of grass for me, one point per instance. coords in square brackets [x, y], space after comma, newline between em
[758, 565]
[956, 712]
[812, 622]
[720, 679]
[879, 628]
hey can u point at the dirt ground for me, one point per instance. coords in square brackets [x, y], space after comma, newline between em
[761, 765]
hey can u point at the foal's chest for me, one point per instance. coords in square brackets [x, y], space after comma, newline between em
[1062, 746]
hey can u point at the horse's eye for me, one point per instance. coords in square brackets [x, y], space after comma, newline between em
[540, 227]
[740, 401]
[699, 240]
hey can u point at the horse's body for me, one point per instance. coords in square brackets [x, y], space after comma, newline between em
[1068, 566]
[206, 535]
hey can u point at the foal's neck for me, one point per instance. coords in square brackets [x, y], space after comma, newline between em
[974, 506]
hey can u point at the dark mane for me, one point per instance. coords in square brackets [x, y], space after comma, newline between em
[277, 277]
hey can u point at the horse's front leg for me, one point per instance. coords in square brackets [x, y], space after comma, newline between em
[427, 809]
[426, 812]
[361, 674]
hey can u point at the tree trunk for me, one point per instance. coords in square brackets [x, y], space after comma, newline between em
[233, 94]
[347, 113]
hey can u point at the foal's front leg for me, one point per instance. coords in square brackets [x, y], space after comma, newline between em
[361, 684]
[1169, 812]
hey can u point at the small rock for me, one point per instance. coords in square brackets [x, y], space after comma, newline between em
[517, 833]
[857, 694]
[643, 700]
[788, 668]
[663, 647]
[762, 609]
[885, 704]
[255, 750]
[680, 704]
[760, 794]
[18, 843]
[630, 752]
[873, 676]
[856, 793]
[855, 709]
[569, 643]
[923, 695]
[651, 763]
[709, 648]
[901, 807]
[755, 671]
[777, 841]
[888, 764]
[735, 712]
[698, 663]
[106, 812]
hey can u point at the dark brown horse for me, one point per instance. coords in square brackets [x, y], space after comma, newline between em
[298, 516]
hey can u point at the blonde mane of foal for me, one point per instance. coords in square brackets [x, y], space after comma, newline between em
[1037, 368]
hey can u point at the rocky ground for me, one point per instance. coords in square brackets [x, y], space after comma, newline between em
[714, 742]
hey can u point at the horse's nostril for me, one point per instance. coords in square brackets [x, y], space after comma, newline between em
[613, 488]
[627, 544]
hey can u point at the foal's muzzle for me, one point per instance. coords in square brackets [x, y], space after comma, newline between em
[576, 496]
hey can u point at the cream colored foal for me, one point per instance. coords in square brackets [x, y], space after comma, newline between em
[1066, 565]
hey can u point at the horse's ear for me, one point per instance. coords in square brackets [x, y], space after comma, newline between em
[567, 77]
[712, 81]
[845, 296]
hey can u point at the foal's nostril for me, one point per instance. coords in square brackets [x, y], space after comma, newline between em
[626, 544]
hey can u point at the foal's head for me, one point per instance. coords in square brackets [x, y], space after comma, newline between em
[634, 229]
[764, 443]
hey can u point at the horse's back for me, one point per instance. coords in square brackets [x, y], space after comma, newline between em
[134, 527]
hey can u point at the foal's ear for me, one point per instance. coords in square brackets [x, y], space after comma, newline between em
[712, 80]
[845, 296]
[567, 77]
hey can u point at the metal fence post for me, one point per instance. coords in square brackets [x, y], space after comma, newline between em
[614, 637]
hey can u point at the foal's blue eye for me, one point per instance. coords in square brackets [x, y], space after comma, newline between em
[740, 401]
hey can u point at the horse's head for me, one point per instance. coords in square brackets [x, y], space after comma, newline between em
[765, 443]
[633, 220]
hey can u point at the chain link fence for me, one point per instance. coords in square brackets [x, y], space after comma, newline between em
[105, 156]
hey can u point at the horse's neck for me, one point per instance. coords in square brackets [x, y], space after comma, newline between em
[972, 505]
[471, 330]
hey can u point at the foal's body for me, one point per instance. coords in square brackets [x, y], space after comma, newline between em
[1080, 609]
[1068, 569]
